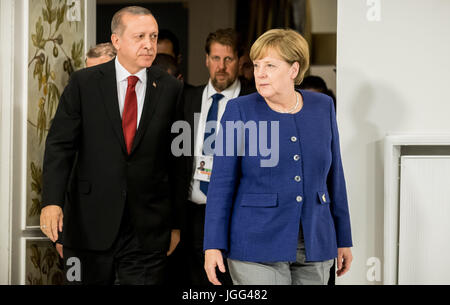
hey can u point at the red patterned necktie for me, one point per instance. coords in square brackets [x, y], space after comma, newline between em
[129, 115]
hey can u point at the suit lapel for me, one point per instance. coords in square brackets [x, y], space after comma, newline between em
[152, 93]
[108, 87]
[195, 106]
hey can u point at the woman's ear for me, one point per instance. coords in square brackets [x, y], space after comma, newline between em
[295, 69]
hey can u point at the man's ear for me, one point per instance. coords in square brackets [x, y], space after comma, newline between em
[115, 40]
[206, 60]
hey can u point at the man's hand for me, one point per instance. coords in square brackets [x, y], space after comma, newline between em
[51, 221]
[213, 258]
[344, 260]
[174, 240]
[59, 248]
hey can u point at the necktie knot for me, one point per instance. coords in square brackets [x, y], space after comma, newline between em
[217, 97]
[132, 80]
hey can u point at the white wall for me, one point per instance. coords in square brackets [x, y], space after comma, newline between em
[392, 76]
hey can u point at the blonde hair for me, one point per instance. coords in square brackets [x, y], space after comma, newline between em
[102, 49]
[289, 44]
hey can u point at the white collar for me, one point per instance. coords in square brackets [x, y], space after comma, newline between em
[228, 93]
[123, 74]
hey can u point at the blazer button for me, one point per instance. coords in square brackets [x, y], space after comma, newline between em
[297, 178]
[299, 199]
[294, 139]
[296, 157]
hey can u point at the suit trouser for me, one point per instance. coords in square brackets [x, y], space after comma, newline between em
[194, 247]
[299, 272]
[124, 263]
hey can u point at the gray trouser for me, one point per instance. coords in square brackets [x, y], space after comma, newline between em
[299, 272]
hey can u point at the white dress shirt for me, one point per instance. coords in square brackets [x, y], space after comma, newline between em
[122, 84]
[195, 194]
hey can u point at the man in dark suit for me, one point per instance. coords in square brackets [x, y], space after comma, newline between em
[121, 216]
[222, 58]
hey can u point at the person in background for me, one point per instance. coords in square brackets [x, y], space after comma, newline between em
[222, 51]
[100, 54]
[168, 44]
[246, 75]
[317, 84]
[280, 223]
[167, 63]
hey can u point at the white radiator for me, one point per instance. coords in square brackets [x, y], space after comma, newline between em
[424, 220]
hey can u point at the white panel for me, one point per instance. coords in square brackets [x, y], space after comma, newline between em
[6, 137]
[381, 89]
[424, 243]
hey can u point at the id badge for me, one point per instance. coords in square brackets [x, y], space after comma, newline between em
[203, 168]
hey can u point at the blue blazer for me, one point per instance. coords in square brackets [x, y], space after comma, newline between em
[254, 212]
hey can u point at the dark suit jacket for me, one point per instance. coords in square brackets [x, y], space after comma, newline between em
[192, 103]
[105, 177]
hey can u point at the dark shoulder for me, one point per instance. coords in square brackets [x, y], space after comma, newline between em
[192, 91]
[162, 76]
[86, 74]
[192, 88]
[247, 88]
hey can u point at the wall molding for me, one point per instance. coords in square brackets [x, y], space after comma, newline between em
[6, 136]
[392, 153]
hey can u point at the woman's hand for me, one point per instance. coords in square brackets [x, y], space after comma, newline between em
[344, 260]
[213, 258]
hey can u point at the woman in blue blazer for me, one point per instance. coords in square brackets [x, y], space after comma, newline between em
[279, 217]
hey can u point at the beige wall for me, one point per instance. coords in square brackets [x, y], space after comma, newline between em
[324, 21]
[323, 16]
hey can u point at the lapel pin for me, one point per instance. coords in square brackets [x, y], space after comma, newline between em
[154, 84]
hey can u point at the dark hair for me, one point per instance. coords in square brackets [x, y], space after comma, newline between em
[317, 83]
[227, 37]
[165, 34]
[314, 82]
[167, 63]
